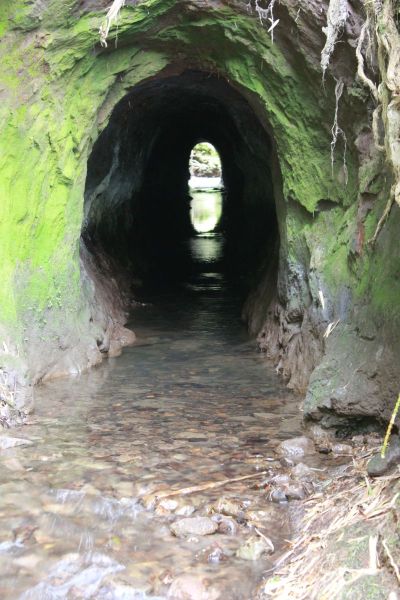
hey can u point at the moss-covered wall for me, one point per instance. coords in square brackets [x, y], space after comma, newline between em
[58, 88]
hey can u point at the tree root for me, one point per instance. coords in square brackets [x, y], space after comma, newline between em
[382, 221]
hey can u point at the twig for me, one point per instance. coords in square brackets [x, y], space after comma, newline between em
[150, 499]
[391, 560]
[382, 220]
[390, 427]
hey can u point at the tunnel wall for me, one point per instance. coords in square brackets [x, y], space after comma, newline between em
[58, 90]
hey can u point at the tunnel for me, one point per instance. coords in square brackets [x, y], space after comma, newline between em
[137, 197]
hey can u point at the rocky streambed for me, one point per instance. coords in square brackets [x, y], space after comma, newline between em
[179, 470]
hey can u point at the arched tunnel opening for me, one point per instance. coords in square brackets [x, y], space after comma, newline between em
[138, 199]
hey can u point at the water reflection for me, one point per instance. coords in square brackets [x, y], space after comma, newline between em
[206, 209]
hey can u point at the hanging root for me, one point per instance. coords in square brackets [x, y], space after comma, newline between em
[387, 94]
[360, 63]
[336, 20]
[338, 131]
[265, 14]
[111, 16]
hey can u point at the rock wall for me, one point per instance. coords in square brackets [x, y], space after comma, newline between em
[332, 181]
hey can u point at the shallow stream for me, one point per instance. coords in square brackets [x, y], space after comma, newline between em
[191, 403]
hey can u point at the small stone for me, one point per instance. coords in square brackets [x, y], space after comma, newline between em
[254, 548]
[185, 510]
[216, 554]
[342, 449]
[321, 437]
[379, 466]
[295, 492]
[303, 472]
[269, 515]
[280, 479]
[230, 506]
[7, 441]
[296, 447]
[226, 525]
[194, 526]
[190, 587]
[278, 495]
[286, 461]
[168, 504]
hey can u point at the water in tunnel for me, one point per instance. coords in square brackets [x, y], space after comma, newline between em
[138, 202]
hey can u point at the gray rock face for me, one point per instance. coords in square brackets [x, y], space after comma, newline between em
[378, 466]
[194, 526]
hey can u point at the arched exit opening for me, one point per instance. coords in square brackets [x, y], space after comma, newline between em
[206, 188]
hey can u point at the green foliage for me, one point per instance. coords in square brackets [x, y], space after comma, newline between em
[205, 161]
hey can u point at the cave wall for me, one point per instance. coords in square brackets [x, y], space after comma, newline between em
[58, 90]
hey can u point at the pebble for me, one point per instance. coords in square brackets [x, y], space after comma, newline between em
[254, 547]
[216, 555]
[230, 506]
[295, 492]
[296, 447]
[185, 510]
[303, 472]
[280, 479]
[168, 504]
[268, 515]
[342, 449]
[321, 437]
[278, 495]
[226, 525]
[191, 587]
[194, 526]
[285, 461]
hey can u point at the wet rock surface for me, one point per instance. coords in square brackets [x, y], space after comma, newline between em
[379, 465]
[194, 526]
[296, 447]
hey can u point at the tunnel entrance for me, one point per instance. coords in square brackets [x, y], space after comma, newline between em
[139, 201]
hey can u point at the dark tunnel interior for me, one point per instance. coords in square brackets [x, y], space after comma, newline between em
[137, 197]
